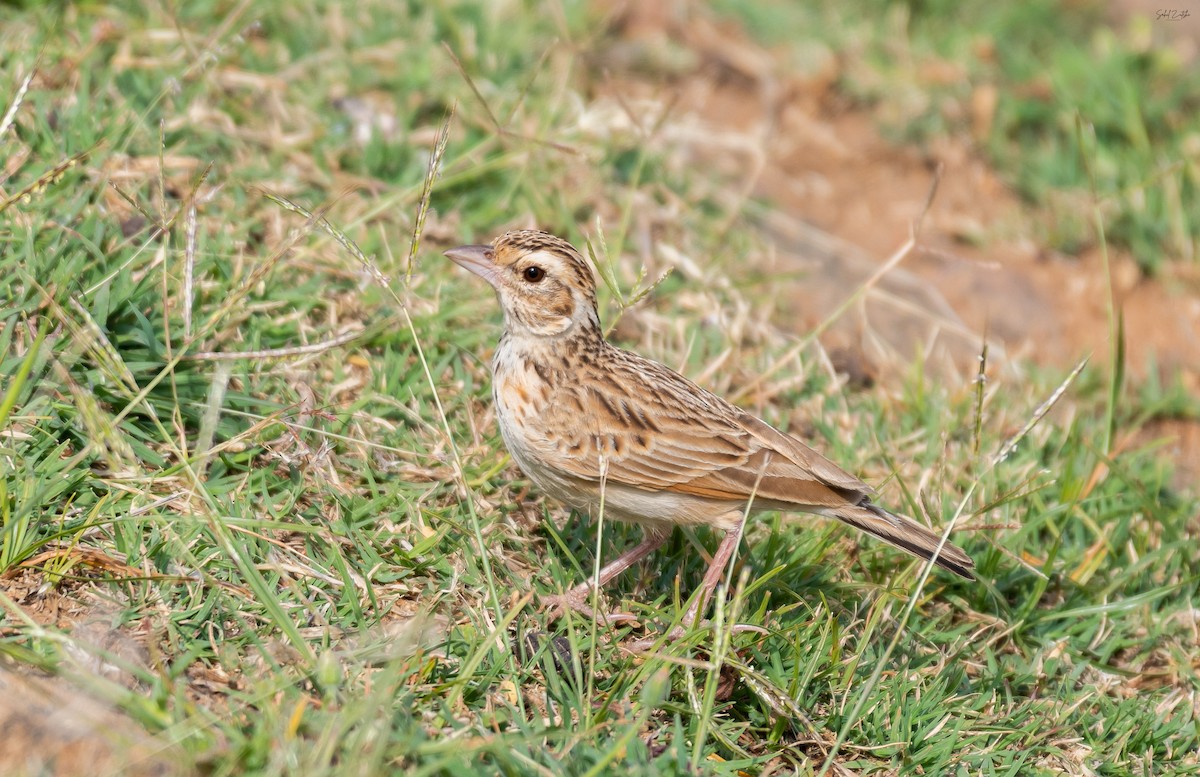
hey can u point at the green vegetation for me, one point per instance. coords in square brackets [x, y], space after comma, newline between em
[935, 66]
[317, 559]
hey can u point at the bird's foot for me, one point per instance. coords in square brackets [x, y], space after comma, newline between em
[578, 600]
[679, 632]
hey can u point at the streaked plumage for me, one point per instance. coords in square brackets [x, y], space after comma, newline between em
[675, 453]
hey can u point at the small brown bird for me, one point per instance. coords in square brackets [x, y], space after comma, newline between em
[581, 417]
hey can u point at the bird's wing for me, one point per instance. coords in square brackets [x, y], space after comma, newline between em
[659, 431]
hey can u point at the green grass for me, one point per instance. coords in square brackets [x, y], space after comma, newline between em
[322, 562]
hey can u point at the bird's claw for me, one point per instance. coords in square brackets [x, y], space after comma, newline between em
[578, 601]
[679, 632]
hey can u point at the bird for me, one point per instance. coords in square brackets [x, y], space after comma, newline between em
[598, 427]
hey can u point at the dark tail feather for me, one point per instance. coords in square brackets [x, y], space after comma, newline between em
[906, 534]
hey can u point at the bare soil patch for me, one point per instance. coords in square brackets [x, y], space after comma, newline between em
[52, 727]
[846, 199]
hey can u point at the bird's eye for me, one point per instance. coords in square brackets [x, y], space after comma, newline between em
[533, 273]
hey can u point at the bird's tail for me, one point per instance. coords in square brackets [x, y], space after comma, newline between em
[906, 534]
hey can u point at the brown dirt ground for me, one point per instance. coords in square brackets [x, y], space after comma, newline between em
[846, 199]
[51, 727]
[59, 725]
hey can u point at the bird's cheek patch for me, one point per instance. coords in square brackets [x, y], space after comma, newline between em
[561, 304]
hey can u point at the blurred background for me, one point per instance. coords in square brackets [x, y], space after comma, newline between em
[251, 490]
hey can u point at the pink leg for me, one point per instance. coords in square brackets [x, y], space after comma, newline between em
[716, 571]
[577, 598]
[712, 578]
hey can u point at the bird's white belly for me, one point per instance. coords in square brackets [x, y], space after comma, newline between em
[548, 479]
[668, 507]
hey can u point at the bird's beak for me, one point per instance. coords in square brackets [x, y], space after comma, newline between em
[477, 259]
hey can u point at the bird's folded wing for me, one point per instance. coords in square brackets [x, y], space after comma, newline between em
[686, 440]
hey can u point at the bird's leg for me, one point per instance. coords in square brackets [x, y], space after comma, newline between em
[577, 598]
[712, 578]
[716, 571]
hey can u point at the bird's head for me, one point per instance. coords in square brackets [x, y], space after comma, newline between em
[544, 285]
